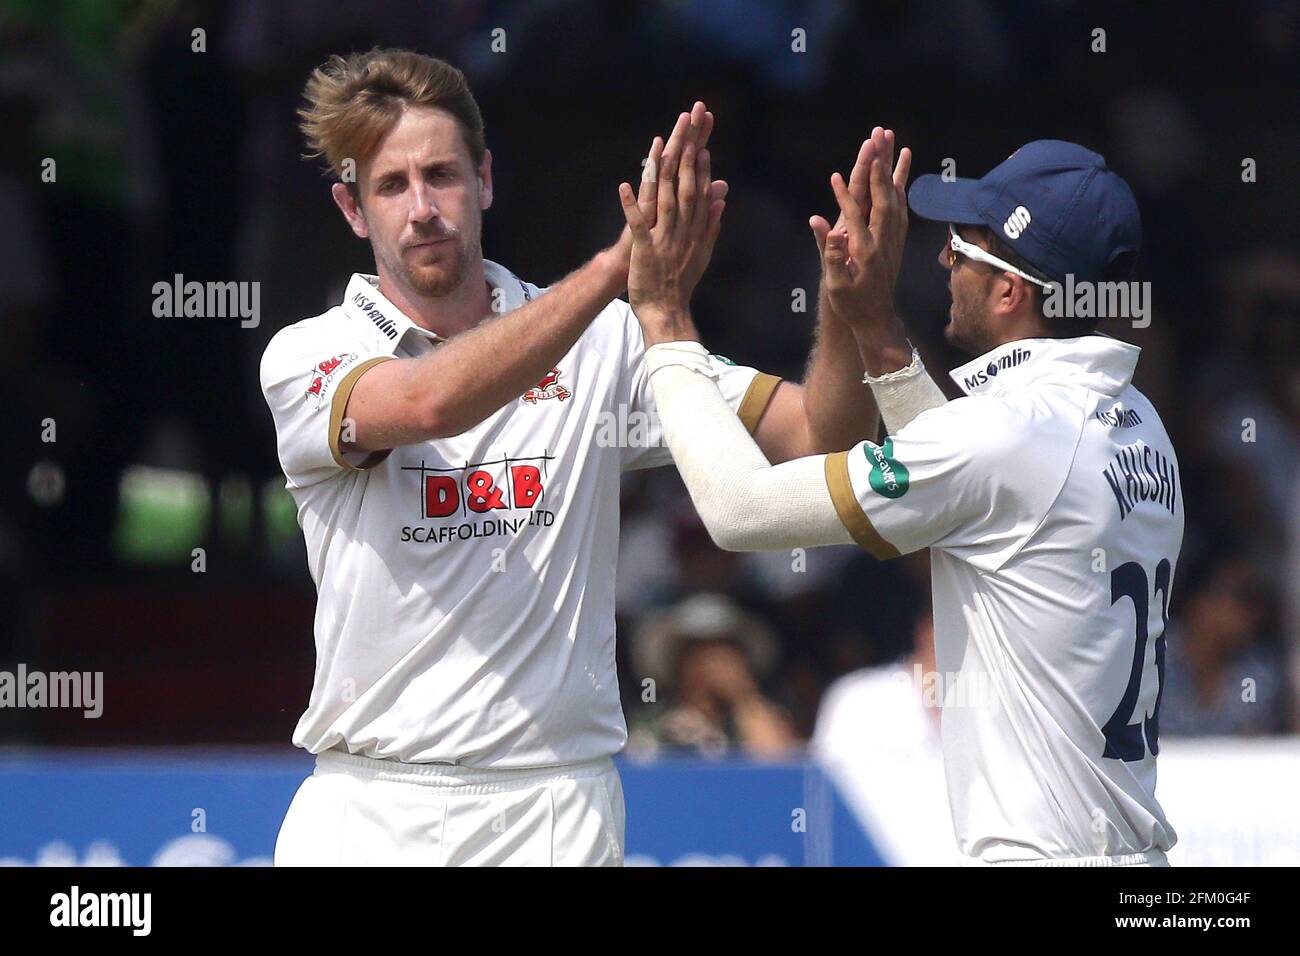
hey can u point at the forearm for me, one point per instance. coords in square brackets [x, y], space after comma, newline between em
[899, 382]
[882, 345]
[746, 504]
[839, 410]
[481, 370]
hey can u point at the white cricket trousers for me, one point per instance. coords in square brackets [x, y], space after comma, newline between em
[357, 811]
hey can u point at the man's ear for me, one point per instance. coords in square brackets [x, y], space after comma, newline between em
[1009, 293]
[351, 209]
[485, 181]
[1024, 293]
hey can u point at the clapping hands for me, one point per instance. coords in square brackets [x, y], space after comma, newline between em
[674, 220]
[862, 252]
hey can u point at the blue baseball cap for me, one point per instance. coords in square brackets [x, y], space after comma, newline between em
[1055, 203]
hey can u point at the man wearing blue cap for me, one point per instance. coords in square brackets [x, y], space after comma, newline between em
[1049, 495]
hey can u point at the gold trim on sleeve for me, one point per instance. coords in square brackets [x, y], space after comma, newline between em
[339, 405]
[756, 399]
[850, 510]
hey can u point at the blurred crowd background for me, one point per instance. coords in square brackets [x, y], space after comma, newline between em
[176, 161]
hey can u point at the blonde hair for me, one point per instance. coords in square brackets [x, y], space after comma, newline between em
[353, 101]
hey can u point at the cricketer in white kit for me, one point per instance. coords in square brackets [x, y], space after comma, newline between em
[457, 483]
[1048, 495]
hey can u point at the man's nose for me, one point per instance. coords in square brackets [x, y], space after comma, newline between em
[945, 256]
[423, 206]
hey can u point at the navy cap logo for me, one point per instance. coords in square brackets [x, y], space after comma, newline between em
[1017, 222]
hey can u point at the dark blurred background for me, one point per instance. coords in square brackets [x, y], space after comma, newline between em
[169, 160]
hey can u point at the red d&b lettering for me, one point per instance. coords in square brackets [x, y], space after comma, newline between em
[480, 493]
[527, 481]
[441, 496]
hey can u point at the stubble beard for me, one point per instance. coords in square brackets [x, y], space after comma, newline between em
[434, 281]
[967, 328]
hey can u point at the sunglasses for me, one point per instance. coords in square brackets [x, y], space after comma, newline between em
[957, 246]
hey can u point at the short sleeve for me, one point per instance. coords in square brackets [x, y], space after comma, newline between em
[961, 477]
[306, 381]
[747, 390]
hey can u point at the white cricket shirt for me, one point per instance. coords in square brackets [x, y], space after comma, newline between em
[878, 741]
[1051, 502]
[465, 608]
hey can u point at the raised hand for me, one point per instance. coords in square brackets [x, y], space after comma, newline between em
[862, 253]
[674, 222]
[697, 125]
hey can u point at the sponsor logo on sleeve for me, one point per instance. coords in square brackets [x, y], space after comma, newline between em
[324, 374]
[888, 476]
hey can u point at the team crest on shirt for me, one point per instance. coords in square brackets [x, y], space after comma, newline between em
[322, 376]
[548, 387]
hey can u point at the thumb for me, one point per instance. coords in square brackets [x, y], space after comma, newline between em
[836, 254]
[715, 220]
[820, 228]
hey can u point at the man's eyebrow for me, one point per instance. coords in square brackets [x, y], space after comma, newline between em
[399, 172]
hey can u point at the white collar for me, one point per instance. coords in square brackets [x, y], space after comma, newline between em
[1100, 362]
[362, 300]
[514, 291]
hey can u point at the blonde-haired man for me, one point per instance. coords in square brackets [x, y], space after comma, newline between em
[453, 437]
